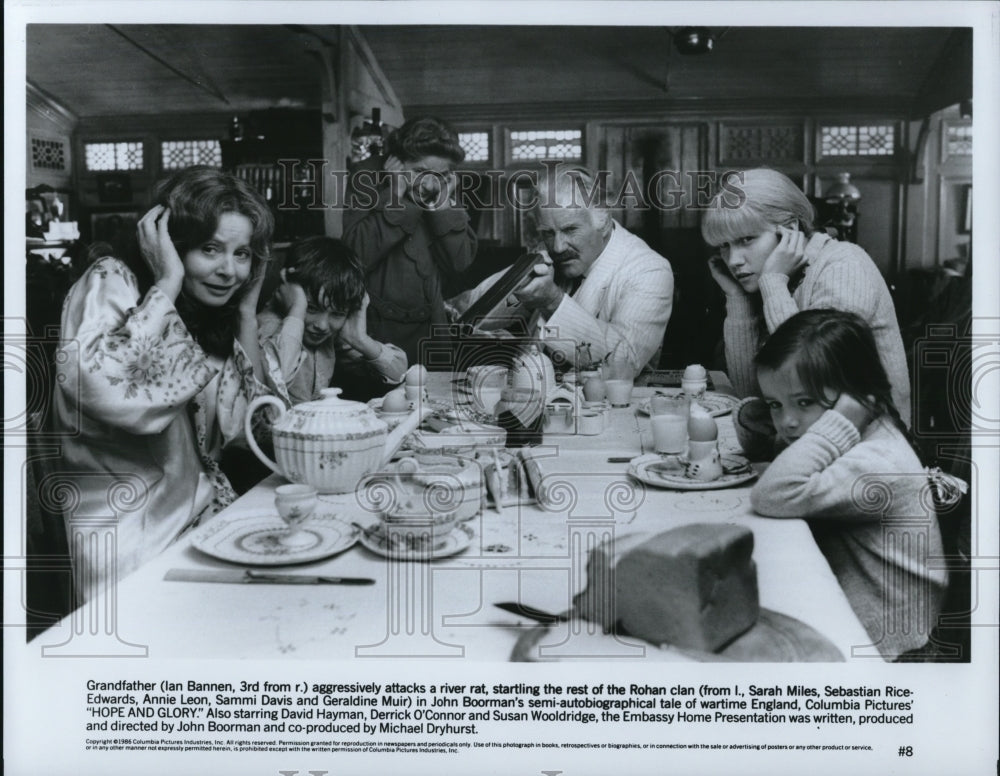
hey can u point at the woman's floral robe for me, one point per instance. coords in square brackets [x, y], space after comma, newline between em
[144, 413]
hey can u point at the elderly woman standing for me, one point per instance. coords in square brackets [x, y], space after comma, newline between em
[412, 240]
[158, 361]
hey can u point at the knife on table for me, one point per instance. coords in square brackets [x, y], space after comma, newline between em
[547, 618]
[532, 613]
[249, 576]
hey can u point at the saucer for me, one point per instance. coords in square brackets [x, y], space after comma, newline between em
[459, 539]
[659, 472]
[716, 404]
[256, 539]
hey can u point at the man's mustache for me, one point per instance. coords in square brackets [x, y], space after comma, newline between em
[564, 256]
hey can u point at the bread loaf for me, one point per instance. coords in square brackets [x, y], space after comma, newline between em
[694, 586]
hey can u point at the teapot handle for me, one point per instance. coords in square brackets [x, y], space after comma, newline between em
[260, 401]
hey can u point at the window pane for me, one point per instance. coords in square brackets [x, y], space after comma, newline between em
[959, 140]
[476, 146]
[839, 141]
[100, 156]
[113, 156]
[47, 154]
[178, 154]
[535, 145]
[858, 140]
[128, 156]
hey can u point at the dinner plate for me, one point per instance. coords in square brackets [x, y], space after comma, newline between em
[459, 539]
[458, 436]
[716, 404]
[774, 638]
[661, 472]
[255, 539]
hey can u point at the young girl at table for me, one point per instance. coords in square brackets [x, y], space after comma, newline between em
[316, 321]
[852, 472]
[772, 263]
[158, 361]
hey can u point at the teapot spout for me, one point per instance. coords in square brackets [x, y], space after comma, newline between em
[395, 438]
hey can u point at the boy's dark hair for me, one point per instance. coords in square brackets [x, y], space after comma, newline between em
[425, 136]
[328, 271]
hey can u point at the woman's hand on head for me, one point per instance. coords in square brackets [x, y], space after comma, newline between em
[291, 300]
[724, 278]
[248, 302]
[852, 409]
[159, 252]
[789, 254]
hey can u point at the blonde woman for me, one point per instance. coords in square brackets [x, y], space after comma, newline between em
[772, 263]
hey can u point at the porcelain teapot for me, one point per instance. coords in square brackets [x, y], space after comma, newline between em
[330, 443]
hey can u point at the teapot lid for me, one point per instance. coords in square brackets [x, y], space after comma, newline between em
[331, 401]
[331, 416]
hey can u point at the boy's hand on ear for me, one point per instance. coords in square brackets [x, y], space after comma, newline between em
[789, 254]
[356, 326]
[853, 410]
[354, 334]
[291, 300]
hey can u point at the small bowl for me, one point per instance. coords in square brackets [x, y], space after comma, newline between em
[392, 419]
[418, 531]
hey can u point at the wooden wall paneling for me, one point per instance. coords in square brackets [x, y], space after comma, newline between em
[612, 159]
[928, 239]
[953, 242]
[877, 214]
[48, 142]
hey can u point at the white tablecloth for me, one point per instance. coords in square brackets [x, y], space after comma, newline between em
[444, 608]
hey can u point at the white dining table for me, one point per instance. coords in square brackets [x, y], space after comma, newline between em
[444, 608]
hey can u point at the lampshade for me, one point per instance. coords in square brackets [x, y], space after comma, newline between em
[843, 189]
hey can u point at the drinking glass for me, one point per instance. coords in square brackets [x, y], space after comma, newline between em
[487, 386]
[619, 377]
[669, 419]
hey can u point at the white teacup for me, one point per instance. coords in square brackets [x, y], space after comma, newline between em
[407, 530]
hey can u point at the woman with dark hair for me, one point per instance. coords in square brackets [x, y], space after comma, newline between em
[412, 239]
[158, 361]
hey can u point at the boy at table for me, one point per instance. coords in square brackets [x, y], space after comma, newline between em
[316, 321]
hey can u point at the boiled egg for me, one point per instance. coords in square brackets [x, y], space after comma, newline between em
[701, 426]
[395, 401]
[695, 372]
[416, 375]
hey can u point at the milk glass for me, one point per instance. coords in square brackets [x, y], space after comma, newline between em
[669, 419]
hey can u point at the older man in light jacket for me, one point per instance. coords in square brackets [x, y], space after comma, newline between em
[597, 283]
